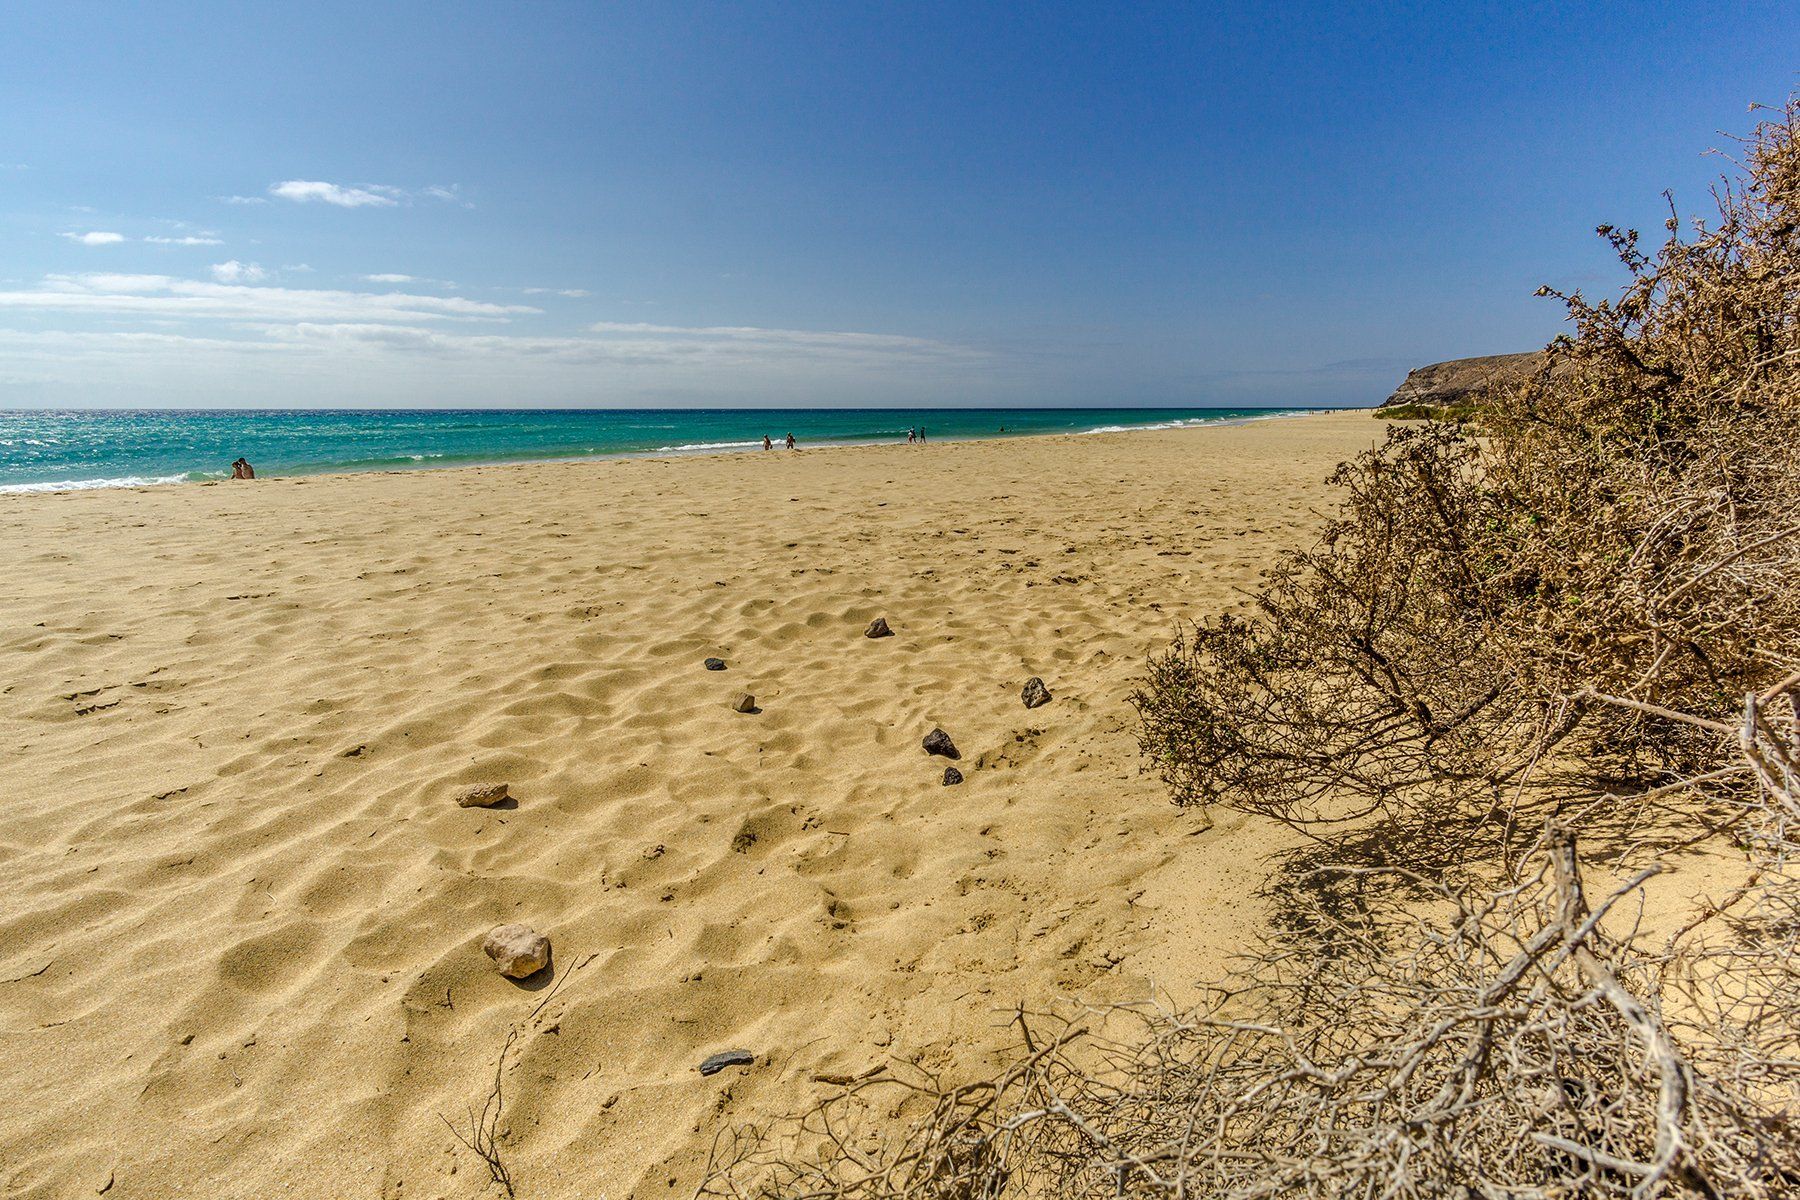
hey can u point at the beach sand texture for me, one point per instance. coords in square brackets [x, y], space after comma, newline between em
[240, 950]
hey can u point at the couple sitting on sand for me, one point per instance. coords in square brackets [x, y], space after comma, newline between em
[241, 469]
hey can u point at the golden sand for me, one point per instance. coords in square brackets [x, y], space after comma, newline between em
[240, 948]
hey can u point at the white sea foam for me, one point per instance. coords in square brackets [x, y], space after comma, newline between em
[1191, 422]
[704, 446]
[83, 485]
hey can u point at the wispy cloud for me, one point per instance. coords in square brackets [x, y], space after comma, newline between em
[813, 338]
[233, 271]
[449, 193]
[170, 297]
[98, 237]
[571, 293]
[306, 191]
[242, 199]
[387, 278]
[184, 241]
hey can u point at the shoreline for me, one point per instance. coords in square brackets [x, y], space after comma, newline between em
[424, 463]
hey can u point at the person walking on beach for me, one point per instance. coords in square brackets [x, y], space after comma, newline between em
[912, 435]
[767, 444]
[790, 441]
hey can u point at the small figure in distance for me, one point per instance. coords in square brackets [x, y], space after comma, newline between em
[790, 441]
[767, 444]
[912, 435]
[921, 433]
[241, 469]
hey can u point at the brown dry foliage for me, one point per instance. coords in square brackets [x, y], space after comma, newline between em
[1626, 522]
[1580, 613]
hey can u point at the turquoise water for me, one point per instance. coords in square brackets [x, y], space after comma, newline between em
[48, 451]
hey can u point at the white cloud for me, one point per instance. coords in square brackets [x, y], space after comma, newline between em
[388, 279]
[98, 237]
[233, 271]
[449, 194]
[241, 199]
[184, 241]
[571, 293]
[170, 297]
[304, 191]
[817, 339]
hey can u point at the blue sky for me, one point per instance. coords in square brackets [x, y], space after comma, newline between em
[832, 204]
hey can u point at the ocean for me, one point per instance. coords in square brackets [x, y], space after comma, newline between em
[63, 450]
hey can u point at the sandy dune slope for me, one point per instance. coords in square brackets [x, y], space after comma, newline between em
[240, 943]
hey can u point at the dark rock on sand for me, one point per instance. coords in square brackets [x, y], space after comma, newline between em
[481, 795]
[715, 664]
[1035, 693]
[726, 1058]
[745, 703]
[938, 742]
[878, 628]
[952, 776]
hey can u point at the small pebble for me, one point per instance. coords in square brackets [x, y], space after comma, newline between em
[481, 795]
[726, 1058]
[938, 742]
[518, 950]
[715, 664]
[878, 628]
[952, 776]
[744, 703]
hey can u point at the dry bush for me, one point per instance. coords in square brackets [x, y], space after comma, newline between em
[1626, 521]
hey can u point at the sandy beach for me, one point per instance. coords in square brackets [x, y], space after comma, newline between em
[241, 949]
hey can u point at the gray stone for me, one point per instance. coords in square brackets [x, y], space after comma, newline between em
[878, 628]
[745, 703]
[938, 742]
[518, 950]
[726, 1058]
[1035, 693]
[952, 776]
[481, 795]
[715, 664]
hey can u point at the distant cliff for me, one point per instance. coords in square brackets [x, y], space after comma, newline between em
[1459, 383]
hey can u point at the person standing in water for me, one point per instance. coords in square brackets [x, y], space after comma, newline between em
[767, 444]
[790, 441]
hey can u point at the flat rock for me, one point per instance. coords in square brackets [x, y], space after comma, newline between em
[1035, 693]
[726, 1058]
[744, 703]
[938, 742]
[715, 664]
[878, 628]
[952, 776]
[481, 795]
[518, 950]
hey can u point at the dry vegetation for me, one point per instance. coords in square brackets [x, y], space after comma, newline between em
[1580, 615]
